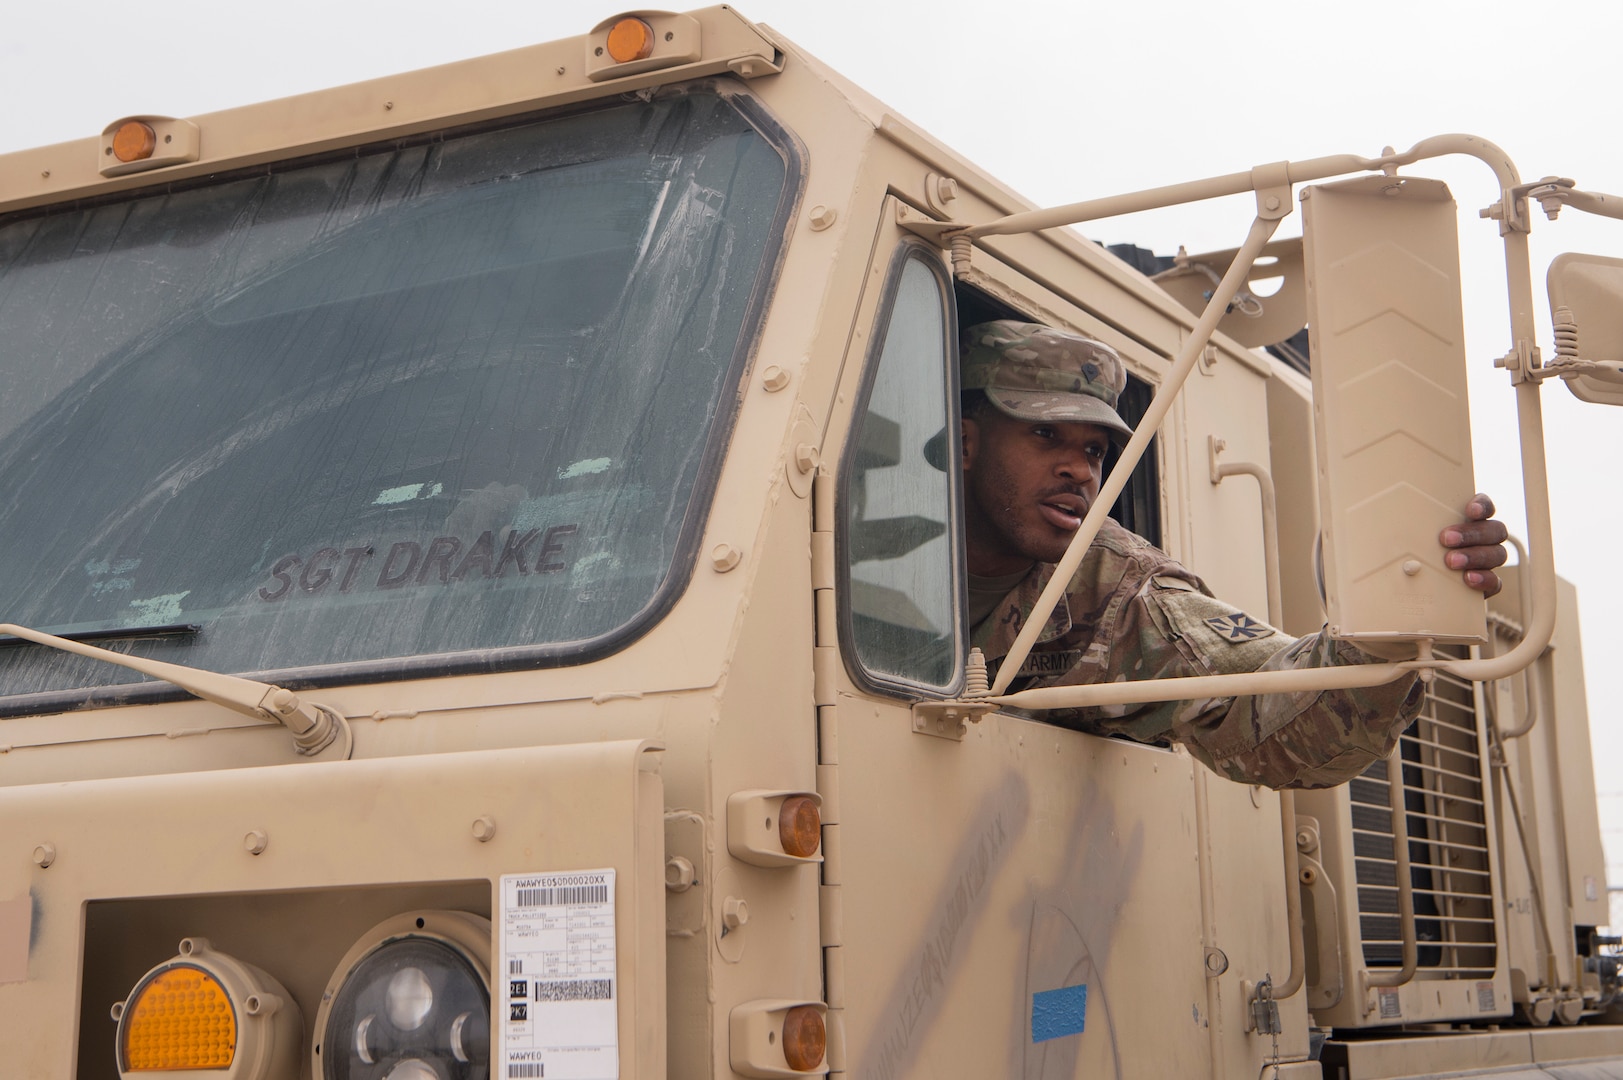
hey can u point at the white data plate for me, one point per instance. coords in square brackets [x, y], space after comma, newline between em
[560, 1020]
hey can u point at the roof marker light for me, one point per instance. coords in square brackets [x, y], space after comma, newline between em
[630, 39]
[134, 141]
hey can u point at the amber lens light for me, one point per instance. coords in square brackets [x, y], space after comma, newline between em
[134, 141]
[804, 1038]
[631, 39]
[180, 1018]
[800, 826]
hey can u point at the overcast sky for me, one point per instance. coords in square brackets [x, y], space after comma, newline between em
[1063, 101]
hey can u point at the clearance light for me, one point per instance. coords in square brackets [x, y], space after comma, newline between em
[630, 39]
[633, 42]
[805, 1038]
[138, 143]
[775, 828]
[205, 1010]
[774, 1037]
[409, 1001]
[134, 141]
[800, 826]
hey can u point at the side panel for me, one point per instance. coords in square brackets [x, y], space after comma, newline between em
[358, 828]
[1025, 861]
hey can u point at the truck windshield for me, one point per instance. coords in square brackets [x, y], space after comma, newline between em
[455, 402]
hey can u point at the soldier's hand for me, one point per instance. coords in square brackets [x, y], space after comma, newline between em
[1476, 545]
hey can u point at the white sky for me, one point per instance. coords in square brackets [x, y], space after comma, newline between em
[1063, 101]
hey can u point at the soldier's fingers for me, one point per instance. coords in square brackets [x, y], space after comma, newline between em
[1474, 558]
[1485, 582]
[1474, 534]
[1480, 508]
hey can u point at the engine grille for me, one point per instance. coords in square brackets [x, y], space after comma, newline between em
[1448, 844]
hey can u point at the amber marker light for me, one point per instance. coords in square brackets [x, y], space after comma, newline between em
[805, 1038]
[179, 1018]
[134, 141]
[800, 826]
[630, 39]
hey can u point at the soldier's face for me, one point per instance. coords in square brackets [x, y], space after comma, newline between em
[1026, 487]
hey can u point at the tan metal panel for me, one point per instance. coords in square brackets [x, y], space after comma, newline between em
[1393, 429]
[353, 825]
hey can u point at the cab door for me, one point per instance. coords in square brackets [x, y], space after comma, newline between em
[1019, 900]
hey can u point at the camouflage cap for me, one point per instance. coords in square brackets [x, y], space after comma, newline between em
[1034, 372]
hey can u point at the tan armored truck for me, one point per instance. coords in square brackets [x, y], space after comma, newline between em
[481, 603]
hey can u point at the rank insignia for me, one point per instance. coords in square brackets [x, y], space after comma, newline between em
[1239, 627]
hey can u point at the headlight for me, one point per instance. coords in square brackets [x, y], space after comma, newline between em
[205, 1010]
[409, 1001]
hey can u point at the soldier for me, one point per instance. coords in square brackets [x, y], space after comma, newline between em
[1038, 417]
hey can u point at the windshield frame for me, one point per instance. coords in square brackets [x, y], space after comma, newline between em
[707, 475]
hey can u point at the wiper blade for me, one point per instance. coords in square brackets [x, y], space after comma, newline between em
[117, 633]
[314, 726]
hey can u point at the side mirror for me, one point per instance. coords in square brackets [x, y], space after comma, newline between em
[1392, 425]
[1586, 306]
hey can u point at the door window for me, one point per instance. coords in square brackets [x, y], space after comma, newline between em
[899, 543]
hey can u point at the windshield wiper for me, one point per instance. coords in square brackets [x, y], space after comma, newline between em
[314, 727]
[117, 633]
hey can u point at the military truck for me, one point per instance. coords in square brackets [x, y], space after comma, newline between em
[481, 601]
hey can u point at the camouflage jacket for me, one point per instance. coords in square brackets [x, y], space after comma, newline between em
[1132, 612]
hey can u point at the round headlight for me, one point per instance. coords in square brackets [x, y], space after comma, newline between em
[410, 1001]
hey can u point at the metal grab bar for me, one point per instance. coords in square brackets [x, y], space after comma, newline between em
[1511, 211]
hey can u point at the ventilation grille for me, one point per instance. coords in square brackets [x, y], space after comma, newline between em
[1448, 845]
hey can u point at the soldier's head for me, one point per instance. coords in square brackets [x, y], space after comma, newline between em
[1039, 415]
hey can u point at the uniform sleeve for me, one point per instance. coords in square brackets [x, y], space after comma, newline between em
[1312, 739]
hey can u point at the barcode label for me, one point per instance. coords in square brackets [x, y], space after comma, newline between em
[560, 1015]
[568, 894]
[574, 990]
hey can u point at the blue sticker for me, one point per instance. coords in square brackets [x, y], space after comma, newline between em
[1057, 1013]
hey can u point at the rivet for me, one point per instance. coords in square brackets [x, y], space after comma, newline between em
[45, 175]
[806, 457]
[821, 217]
[560, 69]
[1271, 202]
[774, 378]
[484, 827]
[256, 841]
[724, 557]
[44, 855]
[1411, 567]
[387, 105]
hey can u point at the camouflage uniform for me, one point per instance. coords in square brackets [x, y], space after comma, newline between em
[1132, 612]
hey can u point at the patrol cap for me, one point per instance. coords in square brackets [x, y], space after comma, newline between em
[1035, 372]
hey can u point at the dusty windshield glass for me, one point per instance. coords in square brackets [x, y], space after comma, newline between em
[432, 400]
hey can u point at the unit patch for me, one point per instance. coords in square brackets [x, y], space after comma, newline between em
[1239, 627]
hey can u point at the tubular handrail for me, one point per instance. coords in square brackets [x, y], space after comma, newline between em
[1511, 211]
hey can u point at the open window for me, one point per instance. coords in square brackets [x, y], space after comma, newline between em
[900, 513]
[1138, 509]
